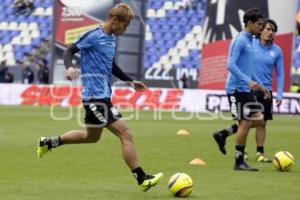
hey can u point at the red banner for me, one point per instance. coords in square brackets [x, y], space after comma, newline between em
[122, 97]
[187, 100]
[213, 70]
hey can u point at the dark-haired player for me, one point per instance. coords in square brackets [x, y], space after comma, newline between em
[240, 81]
[268, 57]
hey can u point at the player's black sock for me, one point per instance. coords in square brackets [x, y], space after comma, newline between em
[139, 174]
[230, 130]
[54, 142]
[239, 154]
[233, 129]
[260, 150]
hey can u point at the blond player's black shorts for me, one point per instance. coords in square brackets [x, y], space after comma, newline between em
[100, 112]
[267, 104]
[243, 105]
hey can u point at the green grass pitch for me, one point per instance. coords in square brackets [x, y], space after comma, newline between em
[97, 171]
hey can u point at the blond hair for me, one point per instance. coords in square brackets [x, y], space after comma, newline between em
[122, 11]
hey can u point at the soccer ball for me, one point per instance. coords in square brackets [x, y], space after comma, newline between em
[180, 185]
[283, 161]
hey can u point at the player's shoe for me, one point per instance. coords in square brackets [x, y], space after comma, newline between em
[221, 141]
[243, 166]
[43, 146]
[261, 158]
[150, 181]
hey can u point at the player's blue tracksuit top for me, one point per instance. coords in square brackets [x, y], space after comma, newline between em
[240, 64]
[266, 59]
[97, 51]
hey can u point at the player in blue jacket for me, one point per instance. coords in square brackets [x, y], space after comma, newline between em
[267, 57]
[97, 50]
[240, 81]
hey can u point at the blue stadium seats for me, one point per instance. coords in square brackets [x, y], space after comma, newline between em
[22, 32]
[20, 18]
[38, 3]
[7, 2]
[297, 40]
[169, 29]
[48, 3]
[9, 9]
[27, 49]
[36, 42]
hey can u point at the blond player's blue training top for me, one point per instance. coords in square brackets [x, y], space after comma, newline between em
[97, 52]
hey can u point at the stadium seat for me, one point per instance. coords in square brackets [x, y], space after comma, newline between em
[23, 26]
[160, 13]
[148, 36]
[26, 41]
[175, 60]
[25, 34]
[297, 40]
[9, 55]
[7, 48]
[168, 5]
[16, 40]
[13, 26]
[5, 40]
[36, 41]
[48, 3]
[44, 34]
[9, 10]
[39, 11]
[151, 13]
[19, 55]
[7, 2]
[49, 11]
[20, 18]
[3, 25]
[33, 26]
[35, 34]
[156, 4]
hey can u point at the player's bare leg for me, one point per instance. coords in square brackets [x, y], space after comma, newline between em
[260, 142]
[91, 135]
[122, 131]
[241, 137]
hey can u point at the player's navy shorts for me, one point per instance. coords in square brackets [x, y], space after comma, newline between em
[267, 103]
[100, 112]
[243, 105]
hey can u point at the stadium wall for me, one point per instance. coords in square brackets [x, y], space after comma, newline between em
[181, 100]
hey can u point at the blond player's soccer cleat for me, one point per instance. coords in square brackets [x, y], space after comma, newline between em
[42, 147]
[150, 181]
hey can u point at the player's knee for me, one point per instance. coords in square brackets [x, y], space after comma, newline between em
[91, 138]
[262, 123]
[258, 123]
[245, 125]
